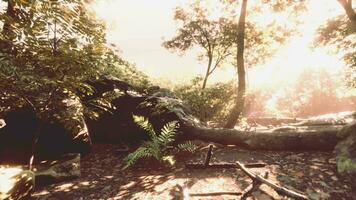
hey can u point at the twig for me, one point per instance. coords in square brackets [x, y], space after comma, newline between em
[215, 194]
[224, 165]
[279, 189]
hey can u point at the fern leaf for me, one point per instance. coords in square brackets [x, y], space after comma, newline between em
[154, 149]
[188, 146]
[168, 132]
[145, 125]
[133, 157]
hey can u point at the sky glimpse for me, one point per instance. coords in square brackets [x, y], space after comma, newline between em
[138, 28]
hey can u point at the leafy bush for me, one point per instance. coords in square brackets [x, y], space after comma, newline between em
[210, 104]
[157, 146]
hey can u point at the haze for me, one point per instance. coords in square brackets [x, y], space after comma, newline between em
[138, 28]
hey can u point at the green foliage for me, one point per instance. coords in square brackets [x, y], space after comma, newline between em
[48, 50]
[188, 146]
[345, 164]
[157, 146]
[217, 37]
[339, 34]
[209, 104]
[57, 46]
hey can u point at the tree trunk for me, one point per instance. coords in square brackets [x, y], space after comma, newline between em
[350, 12]
[319, 138]
[207, 71]
[240, 100]
[7, 31]
[10, 13]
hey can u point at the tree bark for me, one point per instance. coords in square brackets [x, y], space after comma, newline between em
[347, 5]
[6, 43]
[350, 12]
[207, 71]
[10, 12]
[322, 138]
[240, 100]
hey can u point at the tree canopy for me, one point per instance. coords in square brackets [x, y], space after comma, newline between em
[49, 49]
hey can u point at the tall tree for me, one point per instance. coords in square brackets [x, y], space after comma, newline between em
[280, 34]
[210, 35]
[217, 37]
[241, 90]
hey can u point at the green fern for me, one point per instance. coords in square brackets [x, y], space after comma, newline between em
[188, 146]
[133, 157]
[168, 132]
[157, 146]
[145, 125]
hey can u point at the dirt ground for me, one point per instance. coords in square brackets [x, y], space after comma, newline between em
[313, 173]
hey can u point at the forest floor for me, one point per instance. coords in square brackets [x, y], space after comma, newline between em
[313, 173]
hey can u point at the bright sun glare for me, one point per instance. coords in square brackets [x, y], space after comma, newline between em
[137, 28]
[6, 182]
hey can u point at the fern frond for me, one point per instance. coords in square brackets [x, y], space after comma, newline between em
[145, 125]
[187, 146]
[154, 149]
[168, 132]
[132, 158]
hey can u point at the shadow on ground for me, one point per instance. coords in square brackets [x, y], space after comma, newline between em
[102, 177]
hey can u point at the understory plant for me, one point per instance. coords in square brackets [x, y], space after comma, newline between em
[209, 104]
[158, 145]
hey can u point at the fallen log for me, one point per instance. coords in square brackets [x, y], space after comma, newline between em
[301, 139]
[65, 168]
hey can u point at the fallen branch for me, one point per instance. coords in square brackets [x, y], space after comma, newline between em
[278, 189]
[222, 165]
[215, 194]
[184, 192]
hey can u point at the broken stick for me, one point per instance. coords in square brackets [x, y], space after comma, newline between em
[215, 194]
[208, 155]
[279, 189]
[224, 165]
[250, 189]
